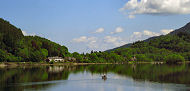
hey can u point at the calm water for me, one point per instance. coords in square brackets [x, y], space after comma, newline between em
[128, 77]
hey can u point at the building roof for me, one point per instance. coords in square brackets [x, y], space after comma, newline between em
[55, 57]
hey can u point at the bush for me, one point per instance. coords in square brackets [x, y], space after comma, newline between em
[3, 56]
[51, 62]
[174, 58]
[143, 57]
[156, 57]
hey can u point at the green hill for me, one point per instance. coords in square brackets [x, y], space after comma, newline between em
[171, 48]
[14, 46]
[185, 29]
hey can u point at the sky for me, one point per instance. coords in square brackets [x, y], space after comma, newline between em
[99, 25]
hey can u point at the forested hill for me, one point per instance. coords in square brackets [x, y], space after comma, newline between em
[14, 46]
[170, 48]
[185, 29]
[173, 47]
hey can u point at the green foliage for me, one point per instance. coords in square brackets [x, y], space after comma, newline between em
[44, 52]
[51, 62]
[24, 53]
[159, 49]
[3, 56]
[174, 58]
[143, 57]
[14, 46]
[77, 56]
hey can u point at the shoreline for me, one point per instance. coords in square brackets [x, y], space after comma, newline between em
[17, 64]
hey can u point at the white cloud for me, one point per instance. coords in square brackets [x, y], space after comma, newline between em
[84, 39]
[107, 42]
[142, 35]
[146, 34]
[158, 7]
[150, 34]
[80, 39]
[27, 34]
[91, 42]
[136, 35]
[117, 30]
[94, 43]
[99, 30]
[116, 41]
[131, 16]
[24, 33]
[166, 31]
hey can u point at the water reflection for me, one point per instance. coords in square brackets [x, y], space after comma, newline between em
[90, 77]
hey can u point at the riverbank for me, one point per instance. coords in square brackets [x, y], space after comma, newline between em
[15, 64]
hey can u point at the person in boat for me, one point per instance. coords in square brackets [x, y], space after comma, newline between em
[104, 77]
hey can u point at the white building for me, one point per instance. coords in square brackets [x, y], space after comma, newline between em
[56, 59]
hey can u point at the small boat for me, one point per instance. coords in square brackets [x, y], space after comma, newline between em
[104, 77]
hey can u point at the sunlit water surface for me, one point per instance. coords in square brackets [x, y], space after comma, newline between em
[141, 77]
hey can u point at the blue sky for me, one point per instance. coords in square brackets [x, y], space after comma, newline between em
[85, 25]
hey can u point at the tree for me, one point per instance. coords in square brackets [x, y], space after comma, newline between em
[93, 57]
[44, 52]
[143, 57]
[3, 56]
[24, 53]
[174, 58]
[77, 56]
[36, 56]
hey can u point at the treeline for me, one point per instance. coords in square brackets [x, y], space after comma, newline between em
[168, 48]
[14, 46]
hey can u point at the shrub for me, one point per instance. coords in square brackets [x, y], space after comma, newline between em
[174, 58]
[51, 62]
[143, 57]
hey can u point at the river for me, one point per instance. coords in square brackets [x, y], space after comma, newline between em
[119, 77]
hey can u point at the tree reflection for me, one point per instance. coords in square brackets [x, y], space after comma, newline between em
[10, 78]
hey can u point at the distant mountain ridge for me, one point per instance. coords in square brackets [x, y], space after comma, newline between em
[185, 29]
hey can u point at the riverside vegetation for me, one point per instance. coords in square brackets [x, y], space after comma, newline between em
[170, 48]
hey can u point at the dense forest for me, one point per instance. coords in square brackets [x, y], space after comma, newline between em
[14, 46]
[171, 48]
